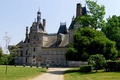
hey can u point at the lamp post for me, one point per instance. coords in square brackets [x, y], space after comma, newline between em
[7, 40]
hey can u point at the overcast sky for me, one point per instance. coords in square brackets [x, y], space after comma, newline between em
[15, 15]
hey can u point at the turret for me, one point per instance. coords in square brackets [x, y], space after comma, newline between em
[39, 16]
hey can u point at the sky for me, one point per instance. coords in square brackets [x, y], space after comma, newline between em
[15, 15]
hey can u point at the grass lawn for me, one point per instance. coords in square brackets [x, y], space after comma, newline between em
[100, 75]
[19, 73]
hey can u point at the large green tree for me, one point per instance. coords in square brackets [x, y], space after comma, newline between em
[94, 17]
[112, 29]
[88, 41]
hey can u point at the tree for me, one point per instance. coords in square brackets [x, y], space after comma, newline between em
[94, 17]
[88, 41]
[97, 61]
[3, 59]
[1, 52]
[70, 55]
[112, 29]
[13, 53]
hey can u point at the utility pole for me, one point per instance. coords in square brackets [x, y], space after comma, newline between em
[7, 40]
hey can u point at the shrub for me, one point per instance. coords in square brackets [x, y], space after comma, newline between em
[23, 65]
[85, 68]
[118, 66]
[31, 66]
[112, 66]
[97, 61]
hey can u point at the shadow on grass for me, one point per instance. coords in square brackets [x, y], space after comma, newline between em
[71, 71]
[56, 72]
[43, 71]
[83, 73]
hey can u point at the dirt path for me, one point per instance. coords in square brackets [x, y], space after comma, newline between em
[51, 74]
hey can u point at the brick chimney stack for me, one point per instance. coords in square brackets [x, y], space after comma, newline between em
[79, 10]
[44, 23]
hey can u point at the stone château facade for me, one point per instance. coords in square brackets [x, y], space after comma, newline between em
[40, 47]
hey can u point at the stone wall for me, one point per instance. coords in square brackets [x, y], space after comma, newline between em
[75, 63]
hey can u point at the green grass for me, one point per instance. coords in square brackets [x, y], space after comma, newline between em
[19, 73]
[100, 75]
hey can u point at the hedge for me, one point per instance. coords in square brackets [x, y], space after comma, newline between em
[113, 66]
[85, 68]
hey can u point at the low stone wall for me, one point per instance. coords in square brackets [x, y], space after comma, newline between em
[76, 63]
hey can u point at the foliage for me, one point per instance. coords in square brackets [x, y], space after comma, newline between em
[85, 68]
[94, 16]
[70, 55]
[1, 52]
[8, 58]
[112, 29]
[13, 53]
[97, 61]
[113, 66]
[88, 41]
[3, 59]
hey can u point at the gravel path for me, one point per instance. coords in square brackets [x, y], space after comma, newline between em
[52, 74]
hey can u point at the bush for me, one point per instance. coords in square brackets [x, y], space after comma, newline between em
[23, 65]
[85, 68]
[97, 61]
[112, 66]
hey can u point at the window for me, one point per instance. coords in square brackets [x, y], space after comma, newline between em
[34, 37]
[26, 59]
[34, 56]
[34, 43]
[33, 60]
[21, 53]
[34, 49]
[52, 61]
[26, 52]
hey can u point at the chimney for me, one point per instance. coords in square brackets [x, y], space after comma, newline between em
[26, 30]
[79, 10]
[27, 36]
[44, 22]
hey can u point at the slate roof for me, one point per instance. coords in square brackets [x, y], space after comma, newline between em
[84, 11]
[72, 25]
[54, 42]
[62, 29]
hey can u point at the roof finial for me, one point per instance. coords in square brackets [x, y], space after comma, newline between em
[39, 9]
